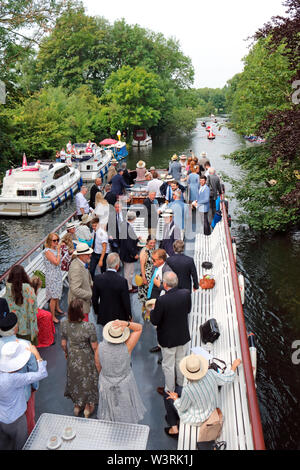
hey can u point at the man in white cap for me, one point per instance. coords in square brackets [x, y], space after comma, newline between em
[80, 280]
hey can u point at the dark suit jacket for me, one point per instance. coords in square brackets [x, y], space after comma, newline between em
[111, 198]
[112, 291]
[185, 269]
[128, 243]
[164, 186]
[152, 217]
[93, 192]
[170, 315]
[118, 184]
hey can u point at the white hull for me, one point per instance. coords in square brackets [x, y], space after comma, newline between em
[142, 143]
[48, 191]
[94, 167]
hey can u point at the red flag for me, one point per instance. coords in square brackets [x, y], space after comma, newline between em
[24, 160]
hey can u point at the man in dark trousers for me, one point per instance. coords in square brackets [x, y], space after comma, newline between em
[184, 267]
[112, 291]
[94, 190]
[129, 250]
[109, 196]
[170, 316]
[151, 218]
[214, 184]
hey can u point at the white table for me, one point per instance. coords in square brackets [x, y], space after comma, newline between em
[91, 434]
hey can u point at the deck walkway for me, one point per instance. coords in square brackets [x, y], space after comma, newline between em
[219, 303]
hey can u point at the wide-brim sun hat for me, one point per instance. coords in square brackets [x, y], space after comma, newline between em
[169, 178]
[174, 157]
[193, 367]
[83, 249]
[14, 355]
[114, 161]
[183, 157]
[86, 218]
[150, 304]
[141, 164]
[203, 154]
[115, 335]
[70, 225]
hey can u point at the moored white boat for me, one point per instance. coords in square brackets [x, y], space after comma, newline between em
[36, 189]
[92, 165]
[141, 138]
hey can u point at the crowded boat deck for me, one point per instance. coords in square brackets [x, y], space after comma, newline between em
[242, 426]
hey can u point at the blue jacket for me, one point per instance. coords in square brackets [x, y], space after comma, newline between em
[118, 184]
[203, 199]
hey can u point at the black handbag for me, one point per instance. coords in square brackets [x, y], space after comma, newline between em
[209, 331]
[216, 366]
[211, 445]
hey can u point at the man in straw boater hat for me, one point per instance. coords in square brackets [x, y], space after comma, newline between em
[171, 232]
[175, 168]
[80, 280]
[200, 397]
[170, 316]
[14, 357]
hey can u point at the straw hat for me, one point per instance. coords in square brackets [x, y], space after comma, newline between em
[150, 304]
[175, 157]
[82, 249]
[70, 225]
[114, 161]
[167, 213]
[115, 335]
[169, 178]
[183, 157]
[204, 154]
[14, 355]
[86, 218]
[193, 367]
[141, 164]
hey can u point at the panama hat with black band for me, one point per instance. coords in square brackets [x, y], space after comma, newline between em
[82, 249]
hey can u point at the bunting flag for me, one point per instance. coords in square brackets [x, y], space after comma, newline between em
[24, 161]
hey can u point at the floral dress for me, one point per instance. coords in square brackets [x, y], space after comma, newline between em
[26, 313]
[82, 375]
[53, 275]
[143, 290]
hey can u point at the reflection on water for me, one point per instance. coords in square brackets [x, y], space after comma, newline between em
[270, 266]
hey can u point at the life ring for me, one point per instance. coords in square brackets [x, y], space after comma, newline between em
[242, 287]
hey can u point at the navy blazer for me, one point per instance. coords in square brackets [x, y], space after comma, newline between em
[112, 291]
[170, 316]
[118, 185]
[184, 267]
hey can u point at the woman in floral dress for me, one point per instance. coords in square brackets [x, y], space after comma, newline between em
[79, 342]
[22, 301]
[53, 273]
[146, 271]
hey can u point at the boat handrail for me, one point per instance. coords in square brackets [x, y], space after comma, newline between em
[36, 247]
[257, 431]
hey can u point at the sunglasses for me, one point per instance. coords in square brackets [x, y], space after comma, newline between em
[55, 240]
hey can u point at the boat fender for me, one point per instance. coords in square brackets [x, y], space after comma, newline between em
[53, 205]
[66, 196]
[78, 184]
[234, 248]
[253, 353]
[229, 220]
[242, 287]
[71, 193]
[59, 200]
[106, 169]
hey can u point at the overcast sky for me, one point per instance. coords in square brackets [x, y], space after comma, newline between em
[212, 33]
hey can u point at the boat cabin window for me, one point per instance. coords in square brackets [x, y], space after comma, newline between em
[26, 192]
[61, 172]
[49, 189]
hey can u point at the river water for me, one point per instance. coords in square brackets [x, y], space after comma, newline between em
[271, 269]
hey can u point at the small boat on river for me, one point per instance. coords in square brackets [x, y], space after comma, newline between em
[33, 190]
[92, 163]
[141, 138]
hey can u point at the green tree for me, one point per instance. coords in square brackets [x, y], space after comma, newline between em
[136, 95]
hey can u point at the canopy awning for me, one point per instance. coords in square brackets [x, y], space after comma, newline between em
[108, 142]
